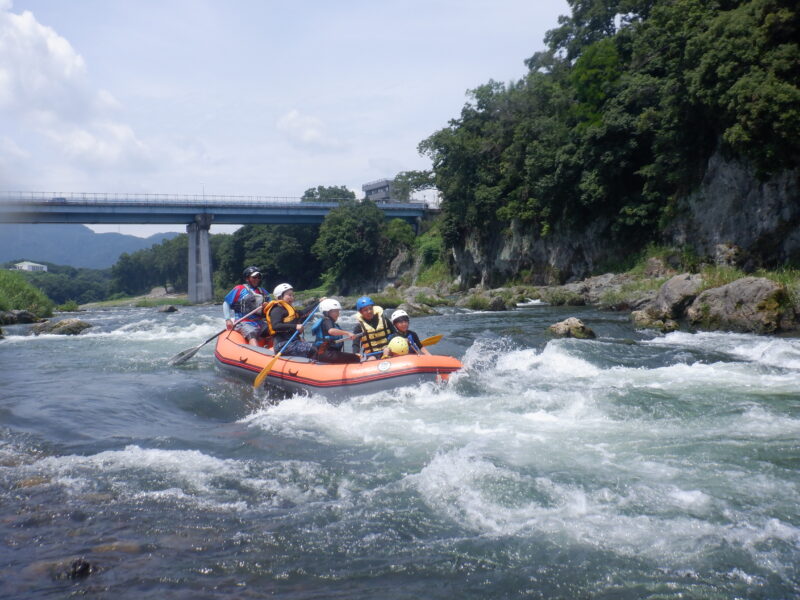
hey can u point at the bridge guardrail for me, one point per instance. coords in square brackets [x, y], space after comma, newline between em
[148, 199]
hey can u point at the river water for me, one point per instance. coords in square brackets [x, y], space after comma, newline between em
[635, 465]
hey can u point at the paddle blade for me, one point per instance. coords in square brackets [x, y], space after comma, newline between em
[182, 357]
[430, 341]
[265, 371]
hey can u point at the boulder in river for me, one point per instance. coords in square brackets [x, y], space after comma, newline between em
[571, 327]
[643, 319]
[167, 308]
[416, 310]
[65, 327]
[751, 304]
[675, 295]
[12, 317]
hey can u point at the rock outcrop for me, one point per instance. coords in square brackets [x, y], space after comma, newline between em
[733, 218]
[65, 327]
[752, 304]
[13, 317]
[571, 327]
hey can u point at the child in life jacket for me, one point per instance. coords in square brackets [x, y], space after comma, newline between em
[329, 336]
[401, 322]
[398, 346]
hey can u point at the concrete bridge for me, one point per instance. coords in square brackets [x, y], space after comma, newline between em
[197, 212]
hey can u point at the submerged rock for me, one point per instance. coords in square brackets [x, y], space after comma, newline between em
[571, 327]
[750, 304]
[65, 327]
[642, 319]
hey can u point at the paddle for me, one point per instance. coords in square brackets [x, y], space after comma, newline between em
[182, 357]
[265, 371]
[430, 341]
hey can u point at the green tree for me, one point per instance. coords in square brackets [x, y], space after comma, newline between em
[323, 193]
[406, 183]
[350, 246]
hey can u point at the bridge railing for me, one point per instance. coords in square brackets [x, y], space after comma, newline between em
[194, 200]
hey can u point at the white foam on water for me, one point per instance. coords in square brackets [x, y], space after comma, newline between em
[532, 302]
[188, 476]
[144, 330]
[769, 351]
[654, 520]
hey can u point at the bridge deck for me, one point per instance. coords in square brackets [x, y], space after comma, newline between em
[39, 207]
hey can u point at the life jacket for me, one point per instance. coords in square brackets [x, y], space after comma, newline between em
[292, 316]
[374, 338]
[334, 342]
[247, 299]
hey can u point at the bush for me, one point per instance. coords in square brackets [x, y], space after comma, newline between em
[68, 306]
[17, 294]
[561, 297]
[477, 302]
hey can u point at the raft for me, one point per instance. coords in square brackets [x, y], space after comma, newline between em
[294, 375]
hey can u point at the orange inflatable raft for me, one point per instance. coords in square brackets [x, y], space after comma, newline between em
[293, 374]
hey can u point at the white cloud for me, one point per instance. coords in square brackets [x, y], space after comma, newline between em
[44, 82]
[307, 131]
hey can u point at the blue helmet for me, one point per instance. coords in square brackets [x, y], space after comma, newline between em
[364, 301]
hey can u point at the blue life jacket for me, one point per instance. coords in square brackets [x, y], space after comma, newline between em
[319, 338]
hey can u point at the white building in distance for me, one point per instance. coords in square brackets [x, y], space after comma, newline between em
[27, 265]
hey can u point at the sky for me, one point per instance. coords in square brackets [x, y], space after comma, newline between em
[246, 97]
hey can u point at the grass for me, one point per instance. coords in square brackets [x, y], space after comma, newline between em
[433, 274]
[145, 302]
[387, 300]
[430, 301]
[631, 291]
[17, 294]
[68, 306]
[561, 297]
[476, 302]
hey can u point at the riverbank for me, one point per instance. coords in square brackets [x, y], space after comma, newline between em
[657, 295]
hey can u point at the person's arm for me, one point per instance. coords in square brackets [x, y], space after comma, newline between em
[227, 312]
[356, 343]
[417, 343]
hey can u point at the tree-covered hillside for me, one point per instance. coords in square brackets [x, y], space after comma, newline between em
[617, 119]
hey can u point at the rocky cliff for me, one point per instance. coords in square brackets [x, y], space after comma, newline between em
[732, 217]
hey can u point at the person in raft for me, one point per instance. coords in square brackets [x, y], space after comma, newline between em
[401, 322]
[398, 346]
[329, 336]
[283, 320]
[374, 326]
[242, 299]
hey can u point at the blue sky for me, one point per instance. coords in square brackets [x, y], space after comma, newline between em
[243, 97]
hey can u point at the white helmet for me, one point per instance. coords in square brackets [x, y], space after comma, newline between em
[329, 304]
[280, 289]
[399, 314]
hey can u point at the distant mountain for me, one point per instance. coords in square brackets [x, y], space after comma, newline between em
[73, 245]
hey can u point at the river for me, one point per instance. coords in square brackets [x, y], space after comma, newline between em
[636, 465]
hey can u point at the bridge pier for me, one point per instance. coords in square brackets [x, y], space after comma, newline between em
[200, 288]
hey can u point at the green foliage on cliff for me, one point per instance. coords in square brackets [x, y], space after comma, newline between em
[618, 117]
[16, 293]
